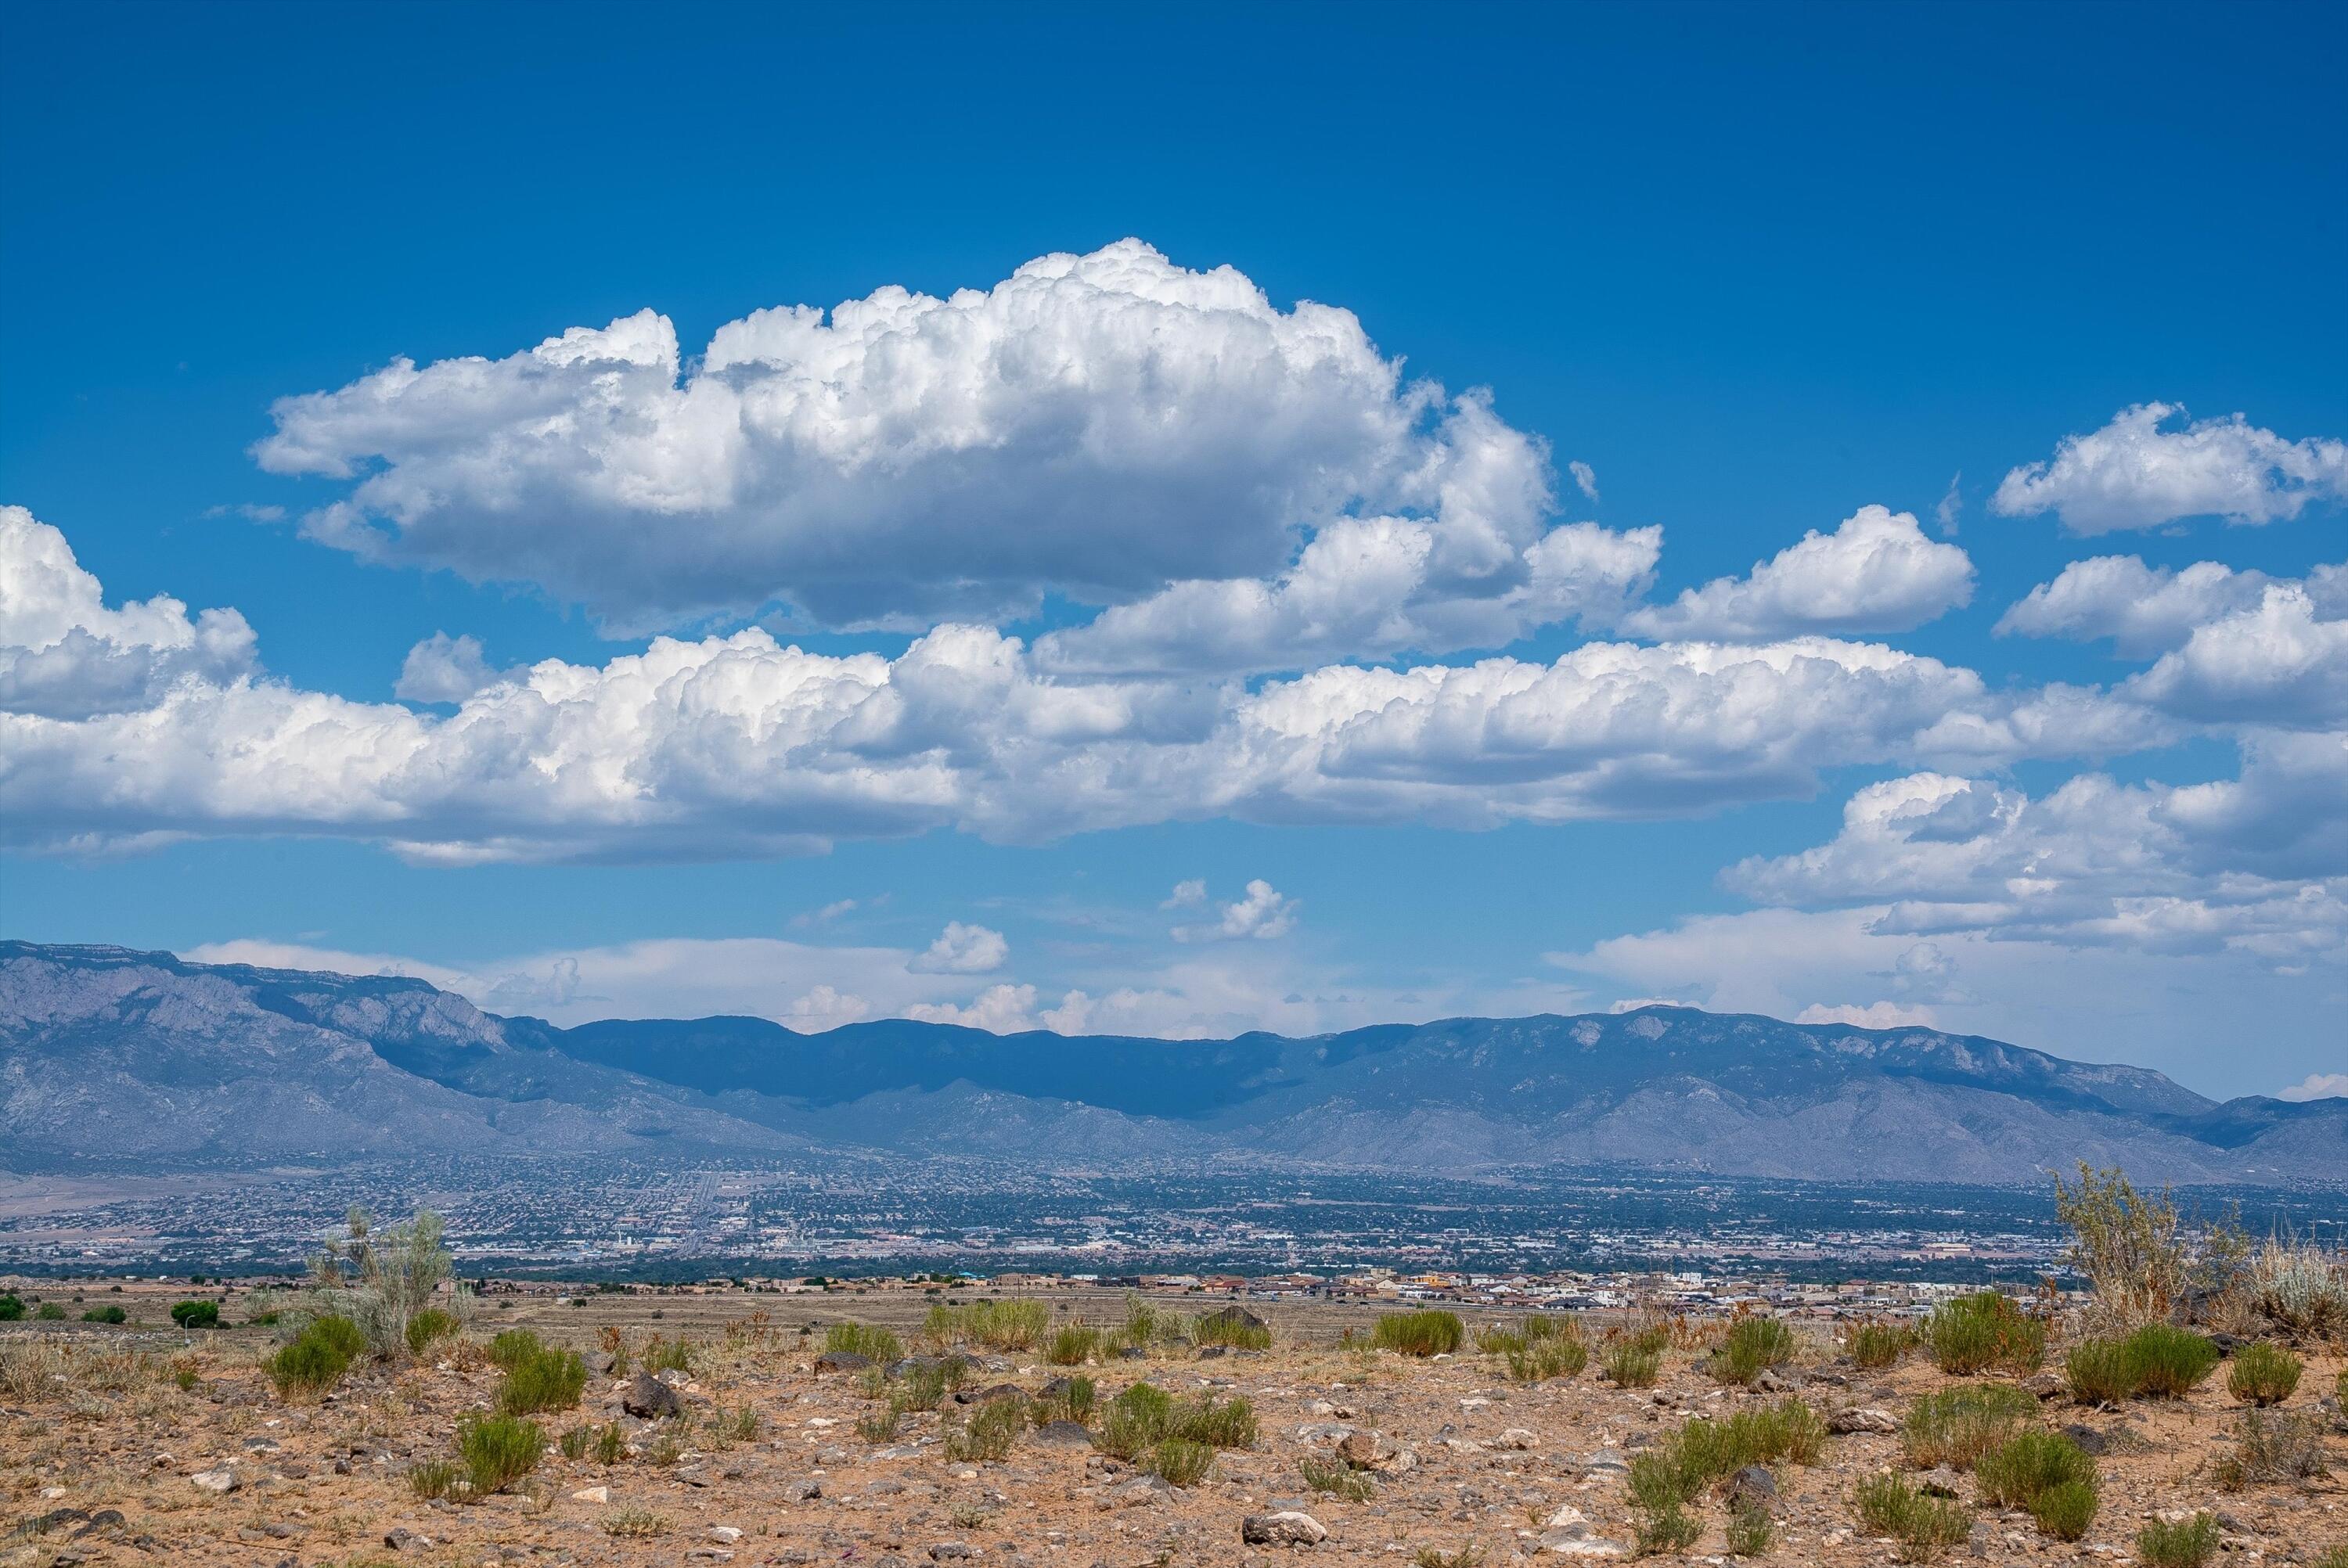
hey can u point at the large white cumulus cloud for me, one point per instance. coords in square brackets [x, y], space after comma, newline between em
[2134, 472]
[742, 744]
[64, 654]
[1876, 572]
[1099, 425]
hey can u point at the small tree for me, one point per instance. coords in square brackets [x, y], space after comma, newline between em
[2131, 1248]
[382, 1280]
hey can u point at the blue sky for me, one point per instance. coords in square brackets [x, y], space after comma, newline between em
[1755, 270]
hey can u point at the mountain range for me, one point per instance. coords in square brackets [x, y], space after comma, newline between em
[116, 1059]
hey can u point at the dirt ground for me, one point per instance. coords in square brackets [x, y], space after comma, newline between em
[102, 1466]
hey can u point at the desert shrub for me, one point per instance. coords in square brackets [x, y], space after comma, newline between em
[545, 1379]
[1468, 1556]
[2271, 1446]
[577, 1443]
[1335, 1478]
[1180, 1461]
[611, 1443]
[680, 1354]
[635, 1524]
[926, 1384]
[498, 1450]
[2297, 1287]
[513, 1346]
[316, 1359]
[1923, 1526]
[188, 1314]
[1073, 1345]
[1973, 1333]
[1231, 1332]
[1751, 1531]
[2021, 1469]
[1875, 1345]
[1070, 1400]
[1432, 1332]
[434, 1479]
[115, 1315]
[12, 1308]
[739, 1425]
[851, 1337]
[2187, 1543]
[2098, 1372]
[1549, 1358]
[1957, 1426]
[2263, 1374]
[379, 1280]
[1225, 1424]
[2131, 1248]
[49, 1312]
[427, 1327]
[2065, 1511]
[1630, 1365]
[989, 1432]
[1660, 1490]
[1753, 1346]
[997, 1325]
[1136, 1421]
[2165, 1362]
[880, 1426]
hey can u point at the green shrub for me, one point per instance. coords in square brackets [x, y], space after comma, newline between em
[869, 1340]
[998, 1325]
[1073, 1345]
[1660, 1487]
[611, 1444]
[115, 1315]
[577, 1442]
[1230, 1424]
[1231, 1332]
[1071, 1400]
[434, 1479]
[189, 1314]
[332, 1328]
[2189, 1543]
[1336, 1479]
[49, 1312]
[513, 1346]
[2167, 1363]
[2099, 1372]
[1180, 1461]
[2263, 1374]
[12, 1308]
[1875, 1345]
[1753, 1346]
[1923, 1526]
[545, 1379]
[678, 1355]
[1973, 1333]
[2066, 1509]
[1751, 1531]
[428, 1326]
[1545, 1359]
[2273, 1445]
[1630, 1365]
[498, 1450]
[989, 1432]
[2333, 1557]
[1957, 1426]
[317, 1359]
[1432, 1332]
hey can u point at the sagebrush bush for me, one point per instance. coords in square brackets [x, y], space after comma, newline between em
[1431, 1332]
[545, 1380]
[2167, 1363]
[1180, 1461]
[2297, 1287]
[379, 1280]
[2131, 1248]
[2098, 1372]
[851, 1337]
[429, 1327]
[1974, 1333]
[1630, 1365]
[2187, 1543]
[1957, 1426]
[1752, 1347]
[498, 1450]
[2273, 1445]
[2263, 1374]
[1923, 1526]
[1875, 1345]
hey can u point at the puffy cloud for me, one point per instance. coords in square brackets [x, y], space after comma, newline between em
[2132, 473]
[2278, 662]
[1096, 425]
[962, 949]
[998, 1010]
[443, 669]
[64, 655]
[1263, 914]
[1876, 572]
[2317, 1086]
[2142, 608]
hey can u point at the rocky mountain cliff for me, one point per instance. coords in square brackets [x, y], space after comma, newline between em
[122, 1060]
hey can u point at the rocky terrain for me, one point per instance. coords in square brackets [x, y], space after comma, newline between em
[121, 1447]
[115, 1060]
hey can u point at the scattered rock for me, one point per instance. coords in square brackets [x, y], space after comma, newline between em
[1566, 1543]
[841, 1361]
[803, 1491]
[1288, 1527]
[1515, 1438]
[1753, 1486]
[949, 1550]
[1232, 1317]
[1063, 1435]
[1941, 1481]
[400, 1538]
[215, 1481]
[591, 1494]
[650, 1399]
[1862, 1419]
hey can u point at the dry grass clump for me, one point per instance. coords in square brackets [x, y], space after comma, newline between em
[1974, 1333]
[1957, 1426]
[634, 1525]
[1538, 1348]
[38, 1366]
[1874, 1345]
[1335, 1479]
[1753, 1344]
[2272, 1446]
[2263, 1374]
[989, 1431]
[2050, 1477]
[1073, 1345]
[998, 1325]
[853, 1338]
[2186, 1543]
[1923, 1526]
[2296, 1289]
[1432, 1332]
